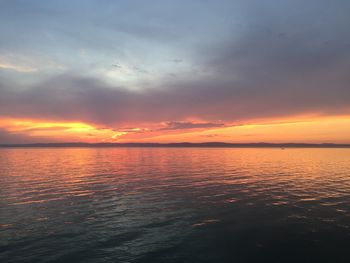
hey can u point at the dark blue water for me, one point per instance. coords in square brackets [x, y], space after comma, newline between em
[174, 205]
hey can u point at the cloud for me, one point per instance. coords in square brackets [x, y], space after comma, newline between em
[52, 128]
[7, 137]
[280, 58]
[132, 130]
[75, 98]
[25, 63]
[19, 68]
[182, 125]
[212, 135]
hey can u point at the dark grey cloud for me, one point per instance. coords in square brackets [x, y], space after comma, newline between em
[73, 98]
[286, 39]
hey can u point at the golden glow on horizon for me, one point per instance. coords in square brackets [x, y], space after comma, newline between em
[316, 130]
[62, 131]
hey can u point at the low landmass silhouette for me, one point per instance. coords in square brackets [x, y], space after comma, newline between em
[183, 144]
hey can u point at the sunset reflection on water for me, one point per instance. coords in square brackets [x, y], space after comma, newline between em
[174, 204]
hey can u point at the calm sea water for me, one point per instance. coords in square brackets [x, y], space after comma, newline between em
[174, 205]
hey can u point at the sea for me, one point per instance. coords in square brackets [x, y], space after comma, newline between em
[174, 205]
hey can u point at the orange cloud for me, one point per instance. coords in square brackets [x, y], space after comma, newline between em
[312, 130]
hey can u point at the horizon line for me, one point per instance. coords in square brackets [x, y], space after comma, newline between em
[175, 144]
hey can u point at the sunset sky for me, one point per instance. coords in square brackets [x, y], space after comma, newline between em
[174, 71]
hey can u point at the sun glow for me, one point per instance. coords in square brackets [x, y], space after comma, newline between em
[64, 131]
[312, 130]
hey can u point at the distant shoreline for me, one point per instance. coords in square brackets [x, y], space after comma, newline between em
[175, 145]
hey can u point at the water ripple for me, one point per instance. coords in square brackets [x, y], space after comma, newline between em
[174, 205]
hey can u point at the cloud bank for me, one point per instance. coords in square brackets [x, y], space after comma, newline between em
[265, 60]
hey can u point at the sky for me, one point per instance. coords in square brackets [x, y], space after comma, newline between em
[174, 71]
